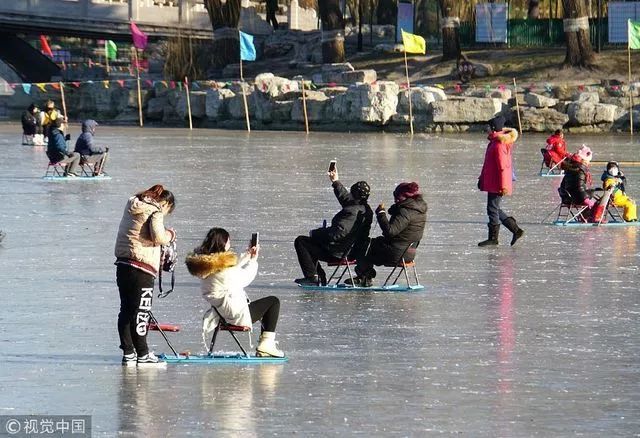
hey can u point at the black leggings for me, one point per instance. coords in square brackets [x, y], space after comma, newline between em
[266, 309]
[136, 293]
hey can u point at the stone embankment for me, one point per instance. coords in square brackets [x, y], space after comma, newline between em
[349, 100]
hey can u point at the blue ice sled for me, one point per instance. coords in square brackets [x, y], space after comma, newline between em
[595, 224]
[550, 175]
[341, 287]
[58, 178]
[206, 359]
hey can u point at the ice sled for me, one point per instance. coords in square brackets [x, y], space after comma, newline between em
[400, 264]
[211, 359]
[55, 172]
[575, 215]
[61, 178]
[554, 171]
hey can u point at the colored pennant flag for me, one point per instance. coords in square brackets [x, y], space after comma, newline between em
[55, 86]
[26, 88]
[105, 84]
[41, 86]
[110, 49]
[120, 82]
[634, 34]
[413, 43]
[247, 49]
[76, 84]
[139, 38]
[44, 45]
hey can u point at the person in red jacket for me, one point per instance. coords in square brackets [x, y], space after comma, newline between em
[556, 150]
[496, 179]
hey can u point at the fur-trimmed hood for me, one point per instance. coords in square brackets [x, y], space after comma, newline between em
[204, 265]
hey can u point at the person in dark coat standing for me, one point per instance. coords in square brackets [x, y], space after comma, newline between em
[29, 124]
[88, 149]
[57, 149]
[350, 226]
[496, 179]
[405, 226]
[272, 8]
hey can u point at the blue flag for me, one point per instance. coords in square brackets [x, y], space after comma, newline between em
[247, 49]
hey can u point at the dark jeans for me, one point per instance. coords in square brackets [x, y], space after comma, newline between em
[266, 309]
[381, 253]
[308, 255]
[136, 293]
[495, 213]
[72, 162]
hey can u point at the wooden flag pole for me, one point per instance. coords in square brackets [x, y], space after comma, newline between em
[186, 87]
[630, 93]
[515, 94]
[406, 69]
[135, 57]
[64, 103]
[304, 109]
[244, 98]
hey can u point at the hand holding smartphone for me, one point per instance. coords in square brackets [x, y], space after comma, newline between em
[332, 166]
[333, 171]
[254, 246]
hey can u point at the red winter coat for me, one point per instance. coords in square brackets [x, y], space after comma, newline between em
[556, 150]
[497, 173]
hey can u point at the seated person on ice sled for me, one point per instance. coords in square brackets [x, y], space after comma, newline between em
[575, 187]
[57, 149]
[89, 151]
[29, 124]
[555, 152]
[349, 229]
[406, 225]
[613, 176]
[223, 277]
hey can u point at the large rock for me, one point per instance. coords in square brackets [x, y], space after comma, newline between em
[587, 113]
[155, 108]
[586, 97]
[198, 101]
[421, 98]
[274, 86]
[359, 76]
[542, 119]
[369, 103]
[236, 105]
[465, 110]
[216, 105]
[316, 102]
[539, 101]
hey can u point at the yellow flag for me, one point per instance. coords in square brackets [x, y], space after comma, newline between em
[413, 43]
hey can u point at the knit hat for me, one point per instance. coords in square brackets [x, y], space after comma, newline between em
[406, 190]
[497, 123]
[611, 164]
[584, 154]
[360, 190]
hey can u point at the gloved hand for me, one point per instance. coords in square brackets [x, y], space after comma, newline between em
[106, 149]
[380, 208]
[589, 202]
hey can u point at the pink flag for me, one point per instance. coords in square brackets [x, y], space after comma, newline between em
[139, 38]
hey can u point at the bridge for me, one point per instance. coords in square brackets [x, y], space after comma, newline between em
[106, 18]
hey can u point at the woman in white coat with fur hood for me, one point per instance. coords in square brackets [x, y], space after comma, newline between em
[223, 277]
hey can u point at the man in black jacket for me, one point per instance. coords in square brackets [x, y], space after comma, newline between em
[406, 226]
[349, 227]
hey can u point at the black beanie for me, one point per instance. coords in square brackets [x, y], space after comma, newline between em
[360, 190]
[497, 123]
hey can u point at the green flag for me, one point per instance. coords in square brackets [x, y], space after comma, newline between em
[634, 34]
[110, 49]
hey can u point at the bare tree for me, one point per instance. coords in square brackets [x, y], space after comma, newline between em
[450, 34]
[332, 31]
[224, 17]
[579, 50]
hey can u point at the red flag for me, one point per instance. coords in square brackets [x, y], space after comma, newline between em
[139, 38]
[45, 46]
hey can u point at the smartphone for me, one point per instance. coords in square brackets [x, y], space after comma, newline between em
[254, 239]
[332, 166]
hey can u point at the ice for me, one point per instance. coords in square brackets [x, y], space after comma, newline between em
[539, 339]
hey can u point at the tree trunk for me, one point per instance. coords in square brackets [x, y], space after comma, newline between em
[387, 12]
[332, 31]
[579, 50]
[534, 10]
[450, 27]
[224, 19]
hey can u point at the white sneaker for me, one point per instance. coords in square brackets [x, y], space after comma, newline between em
[129, 360]
[150, 360]
[268, 346]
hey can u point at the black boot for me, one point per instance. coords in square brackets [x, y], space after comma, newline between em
[511, 225]
[494, 230]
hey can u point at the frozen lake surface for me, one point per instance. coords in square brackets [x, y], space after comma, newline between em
[540, 339]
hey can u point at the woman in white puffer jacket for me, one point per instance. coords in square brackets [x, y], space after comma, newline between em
[224, 276]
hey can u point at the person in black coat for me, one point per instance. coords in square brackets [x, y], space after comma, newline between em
[30, 123]
[405, 226]
[350, 226]
[575, 187]
[57, 150]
